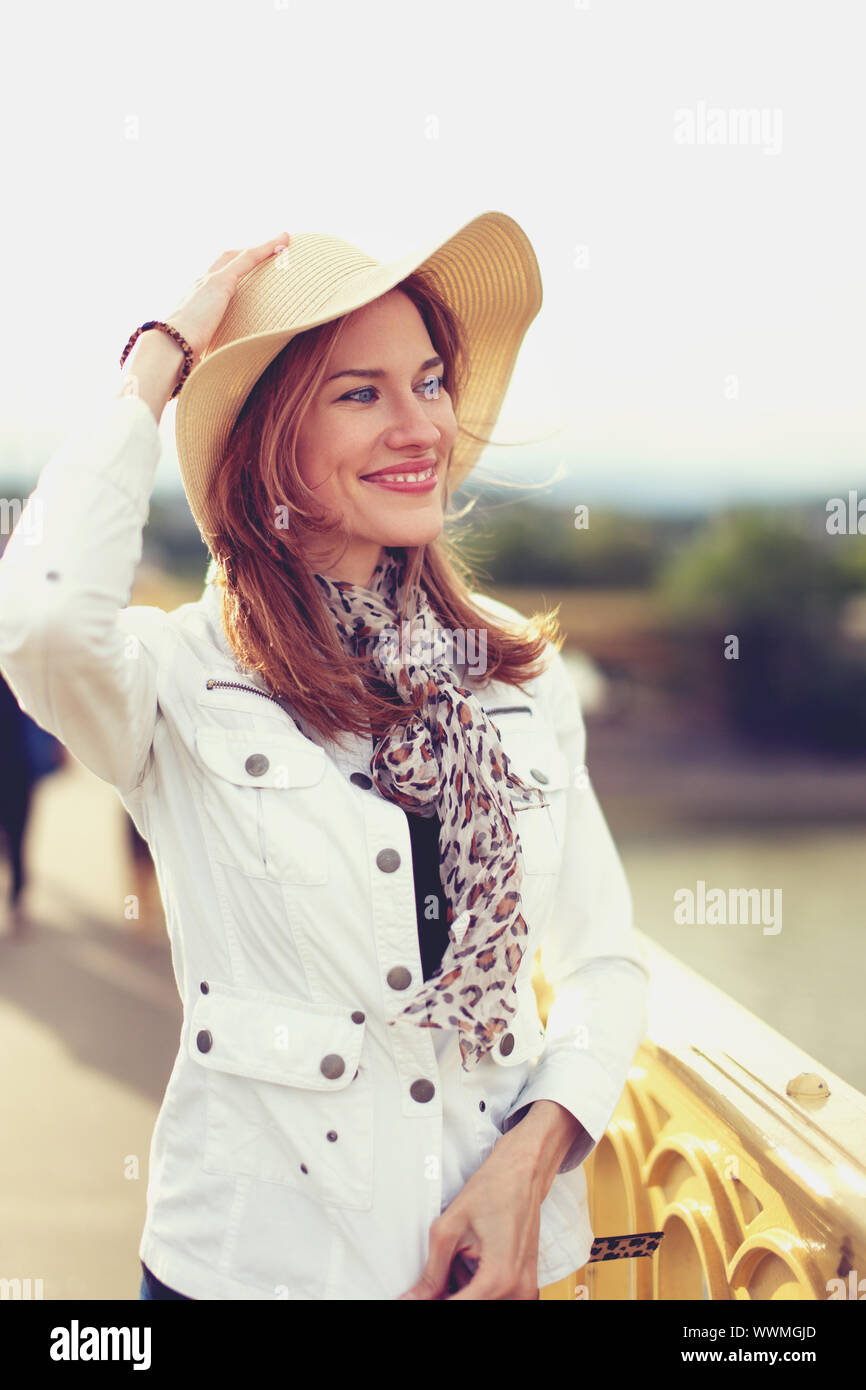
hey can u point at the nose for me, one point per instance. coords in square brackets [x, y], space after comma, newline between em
[411, 425]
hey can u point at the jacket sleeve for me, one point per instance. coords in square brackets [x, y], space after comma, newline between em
[70, 649]
[590, 956]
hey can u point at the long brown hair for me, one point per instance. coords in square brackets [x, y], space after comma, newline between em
[274, 616]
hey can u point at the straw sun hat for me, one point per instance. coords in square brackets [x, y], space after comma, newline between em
[487, 272]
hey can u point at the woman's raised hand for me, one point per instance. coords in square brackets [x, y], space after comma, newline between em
[156, 359]
[199, 313]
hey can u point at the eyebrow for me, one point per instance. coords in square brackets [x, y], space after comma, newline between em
[377, 371]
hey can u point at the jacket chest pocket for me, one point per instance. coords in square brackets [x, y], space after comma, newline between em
[289, 1098]
[535, 756]
[262, 803]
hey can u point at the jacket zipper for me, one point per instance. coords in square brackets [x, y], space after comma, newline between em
[236, 685]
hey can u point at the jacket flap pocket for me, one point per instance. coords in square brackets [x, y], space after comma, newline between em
[539, 764]
[271, 1038]
[531, 747]
[534, 755]
[251, 759]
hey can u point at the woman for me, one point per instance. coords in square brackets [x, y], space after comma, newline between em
[27, 754]
[364, 1104]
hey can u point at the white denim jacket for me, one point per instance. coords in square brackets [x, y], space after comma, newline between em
[295, 1155]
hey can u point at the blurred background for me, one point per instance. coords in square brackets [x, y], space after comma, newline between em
[676, 470]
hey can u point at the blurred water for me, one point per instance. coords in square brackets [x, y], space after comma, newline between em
[686, 805]
[808, 980]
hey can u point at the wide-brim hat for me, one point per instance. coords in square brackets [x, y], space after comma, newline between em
[487, 272]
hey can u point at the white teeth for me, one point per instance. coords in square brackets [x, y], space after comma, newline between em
[406, 477]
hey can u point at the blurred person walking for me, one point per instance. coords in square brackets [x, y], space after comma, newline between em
[27, 753]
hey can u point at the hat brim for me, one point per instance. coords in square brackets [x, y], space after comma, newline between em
[487, 271]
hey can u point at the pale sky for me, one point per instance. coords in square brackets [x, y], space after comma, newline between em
[703, 323]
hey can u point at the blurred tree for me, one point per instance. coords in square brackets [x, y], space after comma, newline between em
[750, 577]
[526, 543]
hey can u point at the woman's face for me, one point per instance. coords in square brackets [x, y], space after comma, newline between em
[381, 406]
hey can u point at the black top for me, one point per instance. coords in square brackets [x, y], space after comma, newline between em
[424, 833]
[432, 930]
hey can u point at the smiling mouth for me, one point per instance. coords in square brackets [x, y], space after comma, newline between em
[419, 475]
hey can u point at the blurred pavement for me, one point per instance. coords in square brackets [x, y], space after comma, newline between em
[89, 1023]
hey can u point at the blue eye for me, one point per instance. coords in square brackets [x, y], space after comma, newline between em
[431, 386]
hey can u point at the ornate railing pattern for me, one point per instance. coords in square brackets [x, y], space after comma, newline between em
[758, 1184]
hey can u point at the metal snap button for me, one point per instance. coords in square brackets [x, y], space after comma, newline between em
[204, 1040]
[399, 977]
[332, 1066]
[482, 1105]
[539, 776]
[304, 1168]
[422, 1090]
[358, 1016]
[256, 764]
[387, 860]
[204, 987]
[361, 780]
[506, 1044]
[331, 1135]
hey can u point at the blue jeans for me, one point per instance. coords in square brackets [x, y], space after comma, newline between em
[152, 1288]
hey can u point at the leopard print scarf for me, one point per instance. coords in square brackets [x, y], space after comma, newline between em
[446, 758]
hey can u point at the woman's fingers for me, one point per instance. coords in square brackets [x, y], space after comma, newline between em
[200, 312]
[248, 257]
[242, 261]
[221, 261]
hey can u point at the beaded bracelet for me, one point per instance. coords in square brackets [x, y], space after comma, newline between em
[178, 338]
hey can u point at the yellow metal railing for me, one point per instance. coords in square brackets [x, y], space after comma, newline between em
[744, 1150]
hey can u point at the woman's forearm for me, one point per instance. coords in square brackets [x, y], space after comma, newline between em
[151, 369]
[543, 1138]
